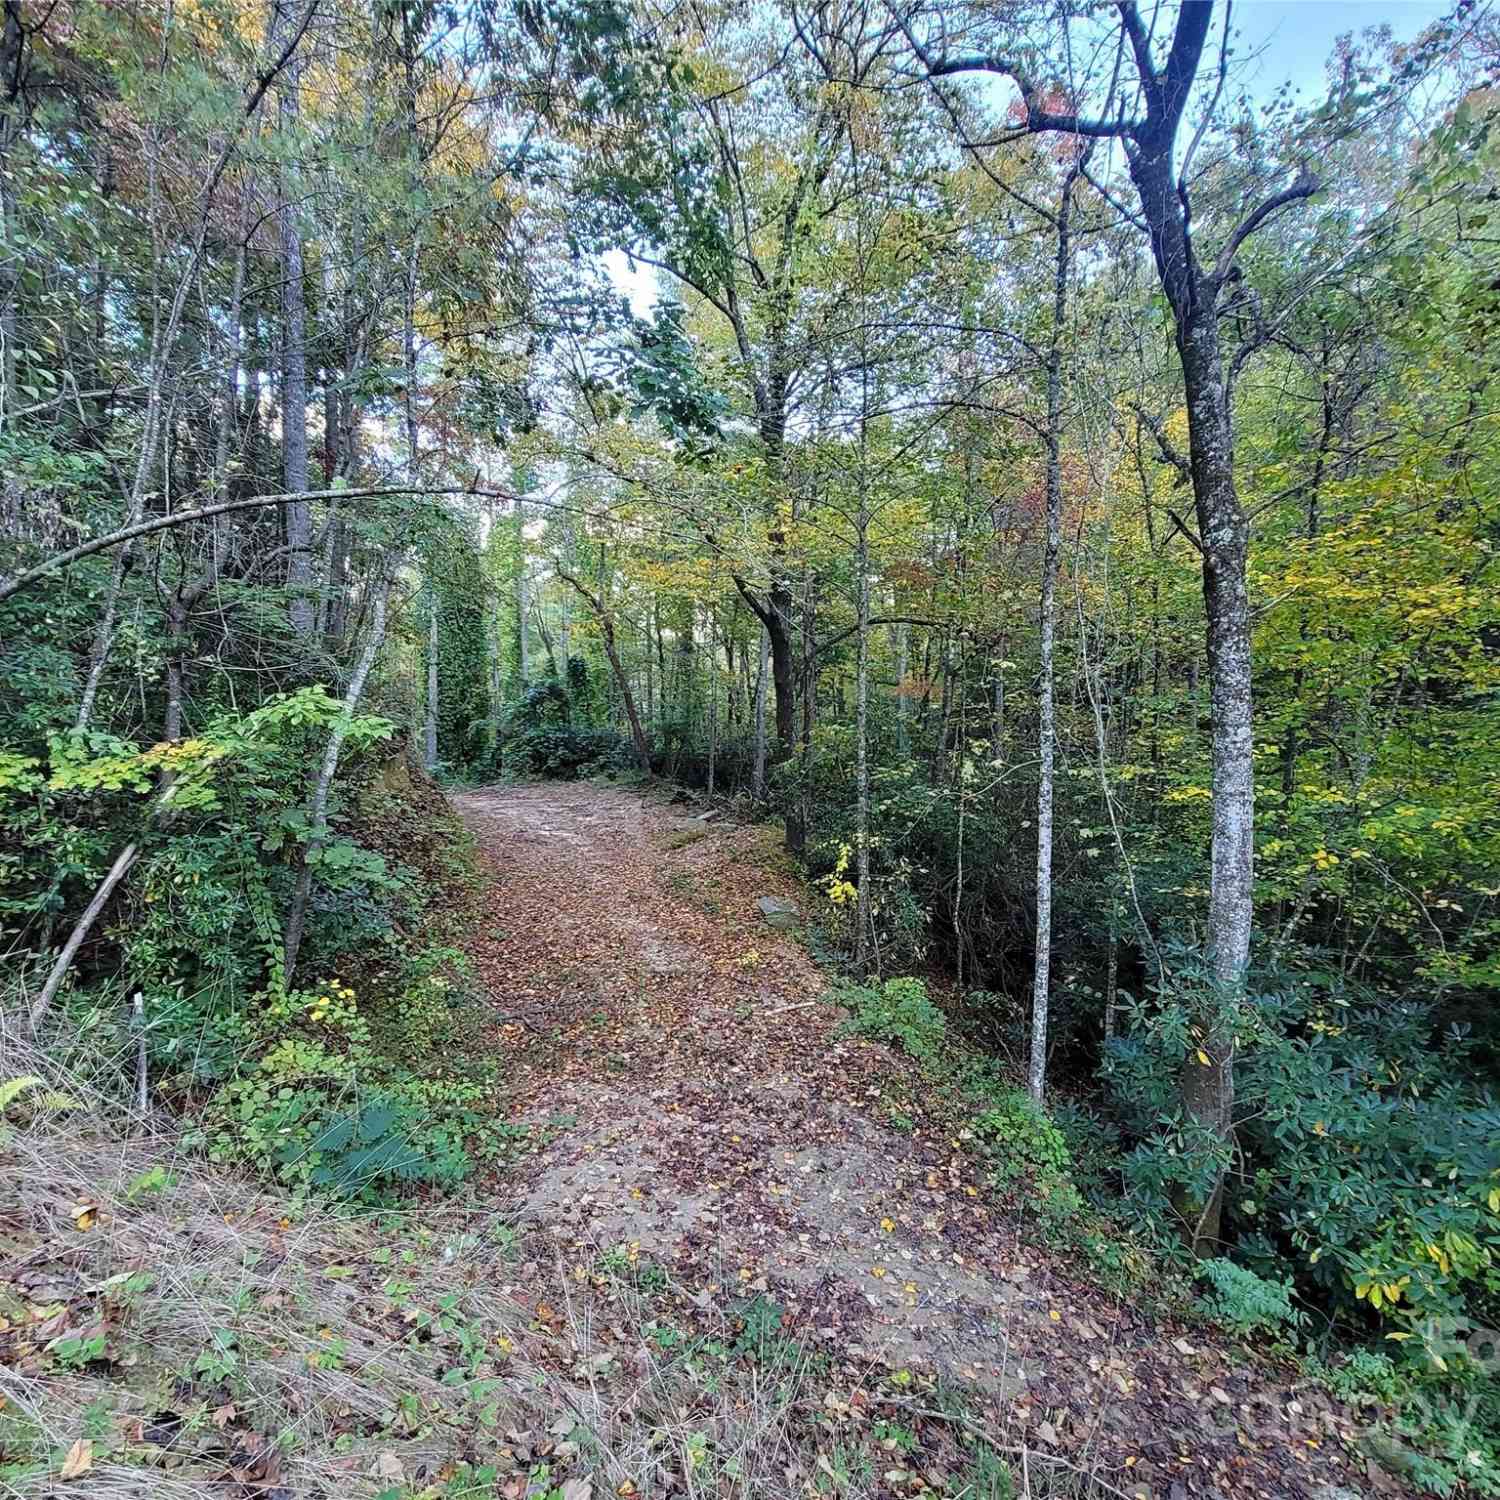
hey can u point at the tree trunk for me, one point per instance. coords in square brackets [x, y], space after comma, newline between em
[758, 762]
[862, 728]
[637, 733]
[903, 702]
[1036, 1075]
[713, 702]
[301, 607]
[81, 929]
[523, 635]
[599, 604]
[12, 104]
[1208, 1088]
[431, 727]
[317, 802]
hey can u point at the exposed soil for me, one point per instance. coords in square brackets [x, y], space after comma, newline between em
[704, 1110]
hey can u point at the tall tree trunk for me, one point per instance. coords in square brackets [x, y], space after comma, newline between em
[1036, 1074]
[523, 629]
[1208, 1087]
[176, 650]
[799, 812]
[937, 767]
[12, 104]
[301, 607]
[713, 701]
[430, 742]
[903, 701]
[1164, 87]
[862, 720]
[638, 740]
[758, 761]
[997, 705]
[599, 604]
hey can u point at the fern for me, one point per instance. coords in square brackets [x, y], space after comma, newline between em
[1246, 1303]
[13, 1089]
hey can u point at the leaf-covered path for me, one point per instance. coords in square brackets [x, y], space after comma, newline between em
[704, 1112]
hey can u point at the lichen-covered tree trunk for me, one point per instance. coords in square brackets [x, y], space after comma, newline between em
[1036, 1074]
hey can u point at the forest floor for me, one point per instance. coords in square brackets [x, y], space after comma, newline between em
[705, 1114]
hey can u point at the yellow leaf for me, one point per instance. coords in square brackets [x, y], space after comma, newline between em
[79, 1460]
[1203, 1058]
[887, 1225]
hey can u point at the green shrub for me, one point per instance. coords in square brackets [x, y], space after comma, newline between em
[898, 1012]
[1363, 1376]
[1025, 1147]
[1243, 1302]
[1370, 1169]
[313, 1128]
[1440, 1427]
[565, 752]
[317, 1108]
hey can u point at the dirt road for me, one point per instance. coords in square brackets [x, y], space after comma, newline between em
[706, 1112]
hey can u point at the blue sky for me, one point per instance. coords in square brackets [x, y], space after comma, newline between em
[1278, 40]
[1295, 37]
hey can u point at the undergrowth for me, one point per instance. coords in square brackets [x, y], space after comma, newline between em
[1432, 1412]
[167, 1324]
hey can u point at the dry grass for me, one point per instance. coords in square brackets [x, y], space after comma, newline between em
[255, 1346]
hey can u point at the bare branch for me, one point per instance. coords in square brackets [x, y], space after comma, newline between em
[207, 512]
[1164, 444]
[1038, 119]
[1304, 187]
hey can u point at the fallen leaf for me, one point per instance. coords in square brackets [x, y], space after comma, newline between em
[79, 1459]
[388, 1466]
[578, 1489]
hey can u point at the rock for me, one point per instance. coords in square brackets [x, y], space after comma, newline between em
[780, 914]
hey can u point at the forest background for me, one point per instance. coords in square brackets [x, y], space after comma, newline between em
[1054, 479]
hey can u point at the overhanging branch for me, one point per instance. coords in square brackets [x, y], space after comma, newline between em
[208, 512]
